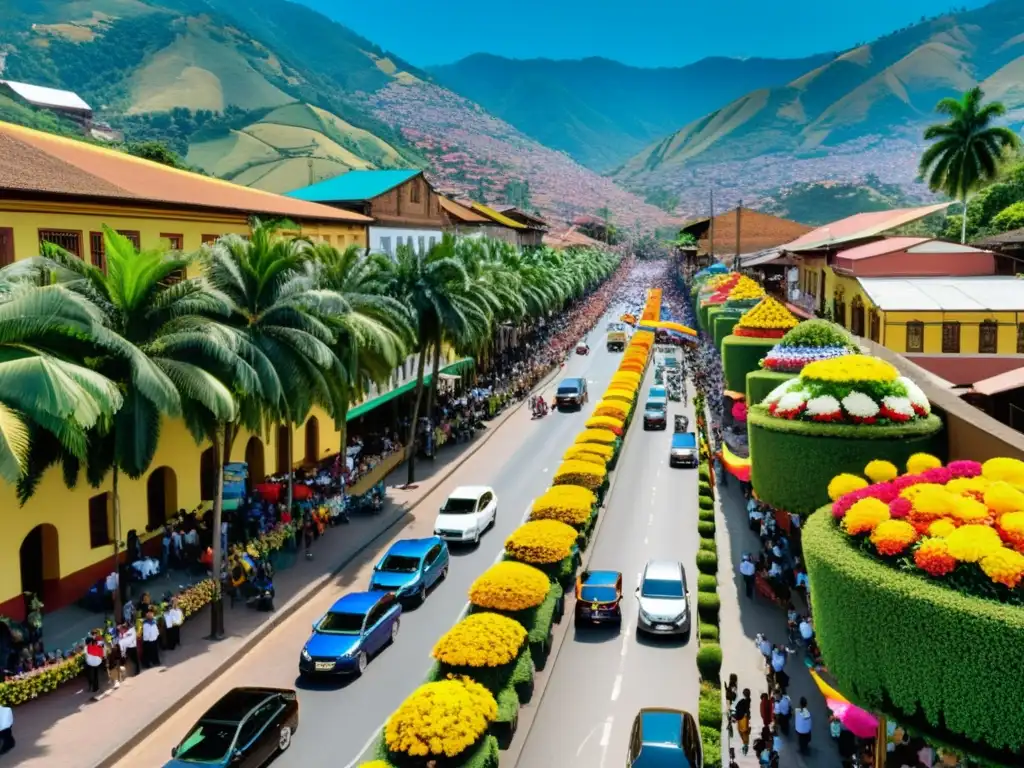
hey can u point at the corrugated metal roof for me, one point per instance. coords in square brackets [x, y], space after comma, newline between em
[38, 162]
[881, 247]
[461, 212]
[995, 293]
[1014, 237]
[354, 186]
[1004, 382]
[498, 217]
[47, 97]
[860, 226]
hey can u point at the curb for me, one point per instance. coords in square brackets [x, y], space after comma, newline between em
[315, 587]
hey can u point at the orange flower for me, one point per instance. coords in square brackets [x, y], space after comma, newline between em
[865, 515]
[1004, 566]
[892, 537]
[932, 557]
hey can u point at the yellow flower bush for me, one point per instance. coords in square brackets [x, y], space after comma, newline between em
[570, 504]
[970, 543]
[586, 474]
[840, 485]
[968, 510]
[599, 436]
[880, 471]
[892, 537]
[376, 764]
[625, 395]
[1004, 566]
[509, 586]
[615, 409]
[746, 288]
[922, 462]
[628, 379]
[941, 528]
[441, 719]
[579, 453]
[605, 452]
[768, 315]
[481, 640]
[1007, 470]
[865, 515]
[850, 368]
[605, 422]
[541, 542]
[1002, 497]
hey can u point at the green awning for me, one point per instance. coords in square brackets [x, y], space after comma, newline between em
[362, 409]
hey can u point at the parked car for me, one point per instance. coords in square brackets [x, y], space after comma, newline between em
[246, 728]
[356, 627]
[657, 392]
[664, 599]
[469, 511]
[411, 567]
[571, 393]
[656, 414]
[583, 348]
[665, 738]
[598, 598]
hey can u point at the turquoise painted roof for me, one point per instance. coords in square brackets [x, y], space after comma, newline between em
[353, 186]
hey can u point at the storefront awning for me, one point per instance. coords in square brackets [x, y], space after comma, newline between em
[459, 366]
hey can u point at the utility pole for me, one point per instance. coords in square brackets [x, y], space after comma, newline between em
[739, 214]
[309, 165]
[712, 244]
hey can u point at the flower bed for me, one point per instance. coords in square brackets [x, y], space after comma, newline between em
[609, 423]
[808, 342]
[585, 474]
[767, 320]
[589, 452]
[509, 587]
[537, 620]
[793, 461]
[615, 409]
[761, 383]
[907, 644]
[742, 355]
[542, 542]
[569, 504]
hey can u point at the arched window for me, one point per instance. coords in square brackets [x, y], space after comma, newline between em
[161, 497]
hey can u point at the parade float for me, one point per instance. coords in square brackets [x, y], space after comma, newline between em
[712, 293]
[753, 336]
[834, 417]
[917, 589]
[745, 296]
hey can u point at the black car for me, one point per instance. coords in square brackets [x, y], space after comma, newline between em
[571, 393]
[656, 413]
[245, 729]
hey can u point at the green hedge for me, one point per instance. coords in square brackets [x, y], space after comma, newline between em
[709, 662]
[712, 740]
[703, 473]
[793, 461]
[707, 583]
[706, 502]
[707, 562]
[709, 546]
[707, 632]
[742, 355]
[903, 644]
[485, 755]
[760, 383]
[706, 514]
[725, 321]
[537, 622]
[706, 528]
[708, 606]
[704, 489]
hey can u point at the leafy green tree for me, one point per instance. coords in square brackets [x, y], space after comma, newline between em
[1009, 218]
[156, 151]
[968, 148]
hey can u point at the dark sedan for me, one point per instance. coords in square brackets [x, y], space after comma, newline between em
[599, 598]
[571, 393]
[245, 729]
[656, 414]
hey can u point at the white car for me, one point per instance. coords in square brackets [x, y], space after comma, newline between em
[469, 511]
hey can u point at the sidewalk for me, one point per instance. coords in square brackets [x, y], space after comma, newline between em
[65, 728]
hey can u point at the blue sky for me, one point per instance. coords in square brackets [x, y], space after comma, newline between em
[648, 33]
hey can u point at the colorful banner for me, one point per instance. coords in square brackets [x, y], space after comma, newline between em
[737, 467]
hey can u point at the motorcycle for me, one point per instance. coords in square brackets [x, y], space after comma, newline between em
[539, 407]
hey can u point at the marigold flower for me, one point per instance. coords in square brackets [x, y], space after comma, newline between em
[582, 473]
[577, 453]
[1004, 566]
[891, 537]
[969, 510]
[609, 423]
[864, 516]
[510, 586]
[900, 507]
[604, 451]
[617, 409]
[880, 471]
[941, 528]
[541, 542]
[932, 556]
[851, 368]
[1011, 528]
[1007, 470]
[621, 394]
[601, 436]
[481, 640]
[443, 719]
[570, 504]
[840, 485]
[970, 543]
[769, 315]
[964, 468]
[919, 462]
[1001, 497]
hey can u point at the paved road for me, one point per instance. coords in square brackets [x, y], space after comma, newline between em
[601, 678]
[339, 721]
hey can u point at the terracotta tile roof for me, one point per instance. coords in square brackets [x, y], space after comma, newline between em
[461, 212]
[861, 226]
[883, 247]
[33, 161]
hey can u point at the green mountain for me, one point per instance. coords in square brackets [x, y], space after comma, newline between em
[864, 111]
[819, 203]
[602, 112]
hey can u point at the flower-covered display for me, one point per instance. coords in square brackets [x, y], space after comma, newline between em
[509, 586]
[745, 289]
[852, 389]
[481, 640]
[809, 342]
[580, 453]
[601, 450]
[599, 436]
[609, 423]
[541, 542]
[570, 504]
[953, 519]
[585, 474]
[739, 411]
[441, 719]
[621, 394]
[766, 320]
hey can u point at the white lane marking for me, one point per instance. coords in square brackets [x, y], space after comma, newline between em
[606, 733]
[617, 688]
[645, 540]
[625, 644]
[657, 472]
[650, 519]
[583, 743]
[545, 469]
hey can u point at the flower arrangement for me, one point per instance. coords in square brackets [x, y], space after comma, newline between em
[580, 453]
[621, 394]
[541, 542]
[616, 409]
[851, 389]
[609, 423]
[570, 504]
[768, 319]
[718, 291]
[808, 342]
[746, 289]
[509, 586]
[599, 436]
[739, 411]
[942, 520]
[585, 474]
[625, 380]
[605, 452]
[444, 718]
[481, 640]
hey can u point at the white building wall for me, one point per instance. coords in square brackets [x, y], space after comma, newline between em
[387, 239]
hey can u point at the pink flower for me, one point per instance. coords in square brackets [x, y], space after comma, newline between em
[937, 475]
[905, 481]
[900, 507]
[883, 491]
[964, 468]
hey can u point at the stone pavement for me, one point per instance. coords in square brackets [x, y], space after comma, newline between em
[65, 728]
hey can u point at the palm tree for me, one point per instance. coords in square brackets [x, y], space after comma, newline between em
[968, 149]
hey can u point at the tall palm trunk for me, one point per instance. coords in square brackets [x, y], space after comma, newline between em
[118, 607]
[223, 452]
[291, 464]
[963, 224]
[434, 377]
[411, 458]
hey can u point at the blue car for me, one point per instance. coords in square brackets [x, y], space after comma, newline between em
[411, 567]
[343, 640]
[665, 738]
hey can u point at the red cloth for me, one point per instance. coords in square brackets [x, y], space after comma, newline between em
[271, 492]
[301, 492]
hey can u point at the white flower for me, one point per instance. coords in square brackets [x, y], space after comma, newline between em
[900, 405]
[860, 405]
[916, 395]
[791, 401]
[823, 405]
[776, 394]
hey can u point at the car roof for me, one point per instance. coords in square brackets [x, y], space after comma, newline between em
[470, 491]
[662, 569]
[571, 380]
[234, 705]
[600, 578]
[684, 438]
[356, 602]
[661, 726]
[414, 547]
[656, 401]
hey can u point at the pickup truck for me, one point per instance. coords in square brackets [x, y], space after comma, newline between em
[616, 340]
[683, 452]
[656, 413]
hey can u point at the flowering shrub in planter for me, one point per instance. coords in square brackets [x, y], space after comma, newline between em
[767, 320]
[569, 504]
[509, 586]
[809, 342]
[609, 423]
[542, 542]
[481, 640]
[599, 436]
[621, 394]
[586, 451]
[585, 474]
[616, 409]
[537, 620]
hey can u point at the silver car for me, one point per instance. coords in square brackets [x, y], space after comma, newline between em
[664, 599]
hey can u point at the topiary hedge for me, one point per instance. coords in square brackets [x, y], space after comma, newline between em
[705, 502]
[793, 461]
[924, 653]
[707, 562]
[723, 324]
[707, 583]
[708, 606]
[742, 355]
[706, 514]
[709, 662]
[707, 632]
[708, 545]
[706, 528]
[761, 382]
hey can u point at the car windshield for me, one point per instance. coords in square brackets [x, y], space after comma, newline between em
[662, 588]
[656, 407]
[400, 564]
[209, 742]
[591, 594]
[568, 389]
[459, 506]
[336, 623]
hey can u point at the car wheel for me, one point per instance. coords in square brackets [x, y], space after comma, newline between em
[361, 661]
[476, 538]
[394, 627]
[284, 739]
[421, 598]
[444, 574]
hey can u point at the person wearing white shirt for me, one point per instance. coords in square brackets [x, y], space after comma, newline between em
[747, 570]
[129, 645]
[6, 729]
[802, 725]
[173, 619]
[783, 709]
[806, 630]
[150, 642]
[778, 659]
